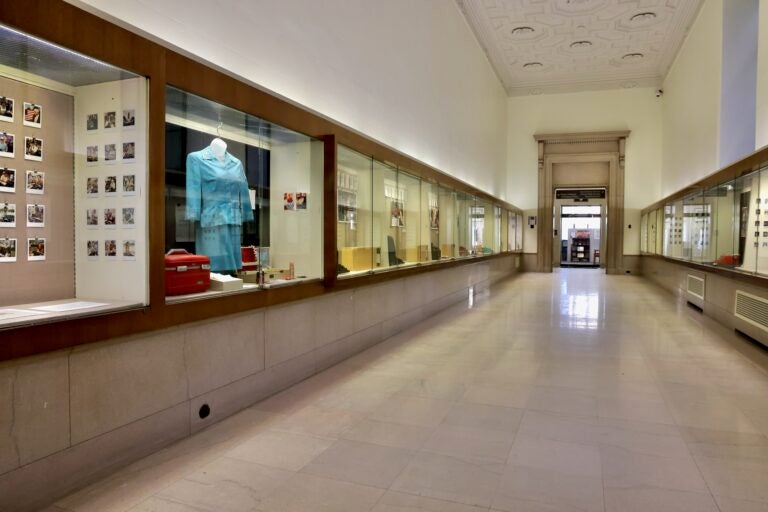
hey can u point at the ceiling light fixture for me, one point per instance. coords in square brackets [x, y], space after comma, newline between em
[633, 56]
[643, 16]
[521, 31]
[581, 44]
[533, 65]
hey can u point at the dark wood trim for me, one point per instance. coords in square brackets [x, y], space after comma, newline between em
[753, 279]
[330, 226]
[749, 164]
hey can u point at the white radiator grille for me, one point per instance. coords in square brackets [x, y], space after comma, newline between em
[696, 286]
[752, 309]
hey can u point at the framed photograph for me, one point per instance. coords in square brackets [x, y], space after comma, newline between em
[129, 250]
[92, 249]
[8, 215]
[35, 215]
[288, 203]
[33, 149]
[35, 182]
[33, 115]
[129, 217]
[7, 180]
[92, 187]
[110, 249]
[396, 213]
[110, 186]
[7, 250]
[92, 122]
[36, 249]
[110, 120]
[301, 200]
[110, 218]
[6, 109]
[92, 155]
[434, 217]
[92, 218]
[129, 151]
[110, 153]
[7, 143]
[129, 118]
[129, 184]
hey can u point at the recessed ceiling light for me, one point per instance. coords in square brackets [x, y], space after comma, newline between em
[643, 16]
[581, 44]
[521, 31]
[533, 65]
[633, 56]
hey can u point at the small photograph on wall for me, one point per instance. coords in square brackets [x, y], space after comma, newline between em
[288, 202]
[33, 115]
[434, 217]
[92, 218]
[301, 200]
[129, 218]
[129, 250]
[92, 187]
[129, 118]
[35, 215]
[92, 248]
[129, 152]
[7, 250]
[36, 248]
[8, 180]
[129, 184]
[92, 155]
[6, 109]
[110, 218]
[110, 153]
[396, 213]
[110, 120]
[7, 215]
[110, 249]
[110, 186]
[92, 122]
[35, 182]
[33, 149]
[7, 143]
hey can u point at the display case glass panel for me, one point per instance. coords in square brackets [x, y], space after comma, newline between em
[644, 233]
[242, 192]
[430, 220]
[749, 210]
[449, 221]
[519, 233]
[354, 203]
[388, 217]
[725, 238]
[504, 229]
[496, 247]
[73, 184]
[465, 204]
[407, 230]
[660, 233]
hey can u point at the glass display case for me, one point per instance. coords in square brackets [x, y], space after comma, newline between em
[73, 183]
[407, 220]
[496, 245]
[354, 212]
[519, 233]
[644, 233]
[504, 229]
[243, 193]
[430, 220]
[449, 223]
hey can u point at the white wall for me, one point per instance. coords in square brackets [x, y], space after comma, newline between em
[691, 103]
[761, 130]
[410, 74]
[637, 110]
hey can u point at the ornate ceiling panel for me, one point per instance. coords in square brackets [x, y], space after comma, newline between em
[547, 46]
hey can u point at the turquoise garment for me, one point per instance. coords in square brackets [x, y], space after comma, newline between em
[217, 197]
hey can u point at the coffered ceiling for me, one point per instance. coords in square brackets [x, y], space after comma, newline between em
[550, 46]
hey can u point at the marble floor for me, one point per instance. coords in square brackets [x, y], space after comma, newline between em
[572, 391]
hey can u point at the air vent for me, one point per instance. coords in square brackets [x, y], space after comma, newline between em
[752, 309]
[695, 286]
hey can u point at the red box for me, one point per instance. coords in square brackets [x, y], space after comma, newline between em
[186, 273]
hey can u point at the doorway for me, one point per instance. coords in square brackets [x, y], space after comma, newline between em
[579, 222]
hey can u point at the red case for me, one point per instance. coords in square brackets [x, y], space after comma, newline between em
[186, 273]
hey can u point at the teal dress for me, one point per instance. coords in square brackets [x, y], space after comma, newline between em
[218, 199]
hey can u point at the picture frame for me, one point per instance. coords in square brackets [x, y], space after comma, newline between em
[92, 249]
[8, 250]
[129, 152]
[110, 153]
[7, 180]
[91, 218]
[129, 184]
[288, 202]
[110, 120]
[6, 109]
[35, 182]
[129, 217]
[92, 186]
[110, 186]
[35, 215]
[33, 115]
[110, 218]
[92, 122]
[92, 155]
[36, 249]
[110, 249]
[7, 145]
[129, 250]
[301, 200]
[129, 118]
[8, 215]
[33, 149]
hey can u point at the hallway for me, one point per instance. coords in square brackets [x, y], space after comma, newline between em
[571, 391]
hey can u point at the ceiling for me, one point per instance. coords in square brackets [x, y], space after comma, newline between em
[554, 46]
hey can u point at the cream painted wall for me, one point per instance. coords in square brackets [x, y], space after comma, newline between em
[409, 74]
[761, 135]
[637, 110]
[691, 103]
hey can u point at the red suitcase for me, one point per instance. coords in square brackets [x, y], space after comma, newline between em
[186, 273]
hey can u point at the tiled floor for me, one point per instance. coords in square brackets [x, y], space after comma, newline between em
[573, 391]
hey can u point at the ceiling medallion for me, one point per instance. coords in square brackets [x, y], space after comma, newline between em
[581, 44]
[521, 31]
[633, 56]
[531, 65]
[643, 16]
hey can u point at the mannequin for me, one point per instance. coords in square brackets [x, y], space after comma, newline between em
[219, 201]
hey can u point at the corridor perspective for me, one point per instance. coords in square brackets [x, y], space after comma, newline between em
[571, 391]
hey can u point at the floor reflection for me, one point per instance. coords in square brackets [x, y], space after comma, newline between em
[581, 308]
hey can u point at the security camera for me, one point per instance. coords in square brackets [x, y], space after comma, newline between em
[659, 93]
